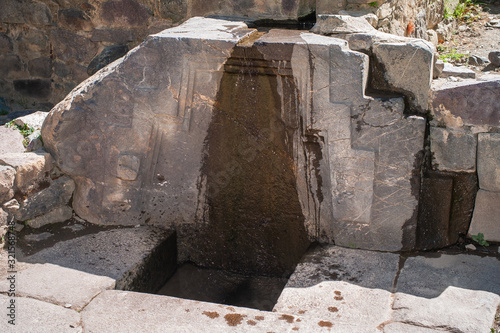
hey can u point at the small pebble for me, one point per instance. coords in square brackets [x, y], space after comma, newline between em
[67, 306]
[470, 247]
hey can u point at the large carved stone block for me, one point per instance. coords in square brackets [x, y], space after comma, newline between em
[250, 144]
[453, 150]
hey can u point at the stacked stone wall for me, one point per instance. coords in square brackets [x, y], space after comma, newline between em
[48, 47]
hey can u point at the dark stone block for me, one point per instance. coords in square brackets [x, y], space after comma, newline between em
[60, 69]
[70, 46]
[9, 63]
[175, 10]
[72, 18]
[107, 56]
[38, 88]
[125, 13]
[5, 44]
[446, 206]
[475, 103]
[117, 36]
[41, 67]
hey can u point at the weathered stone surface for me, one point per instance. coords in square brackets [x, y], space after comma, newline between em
[38, 88]
[464, 310]
[367, 269]
[494, 57]
[34, 141]
[341, 24]
[485, 217]
[11, 141]
[456, 71]
[453, 150]
[34, 12]
[174, 10]
[7, 177]
[41, 67]
[430, 277]
[365, 212]
[338, 302]
[75, 19]
[59, 285]
[140, 259]
[158, 111]
[9, 63]
[38, 317]
[191, 316]
[34, 120]
[350, 196]
[445, 208]
[403, 18]
[4, 218]
[31, 168]
[125, 13]
[107, 56]
[5, 44]
[56, 195]
[470, 102]
[398, 59]
[118, 36]
[488, 161]
[342, 286]
[56, 215]
[70, 46]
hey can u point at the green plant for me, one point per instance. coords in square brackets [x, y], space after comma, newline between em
[479, 238]
[452, 55]
[373, 4]
[25, 131]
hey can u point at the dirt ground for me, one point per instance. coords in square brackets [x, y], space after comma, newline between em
[477, 33]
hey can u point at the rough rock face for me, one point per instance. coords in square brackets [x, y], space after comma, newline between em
[464, 136]
[46, 46]
[399, 17]
[250, 144]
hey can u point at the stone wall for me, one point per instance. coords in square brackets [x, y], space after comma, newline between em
[464, 142]
[400, 17]
[47, 47]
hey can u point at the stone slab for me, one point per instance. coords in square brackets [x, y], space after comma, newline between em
[485, 217]
[35, 316]
[11, 141]
[127, 256]
[31, 167]
[488, 161]
[368, 269]
[469, 102]
[338, 302]
[461, 72]
[59, 285]
[453, 150]
[34, 120]
[455, 309]
[120, 311]
[7, 177]
[344, 285]
[430, 276]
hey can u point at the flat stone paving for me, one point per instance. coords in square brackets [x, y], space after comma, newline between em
[333, 289]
